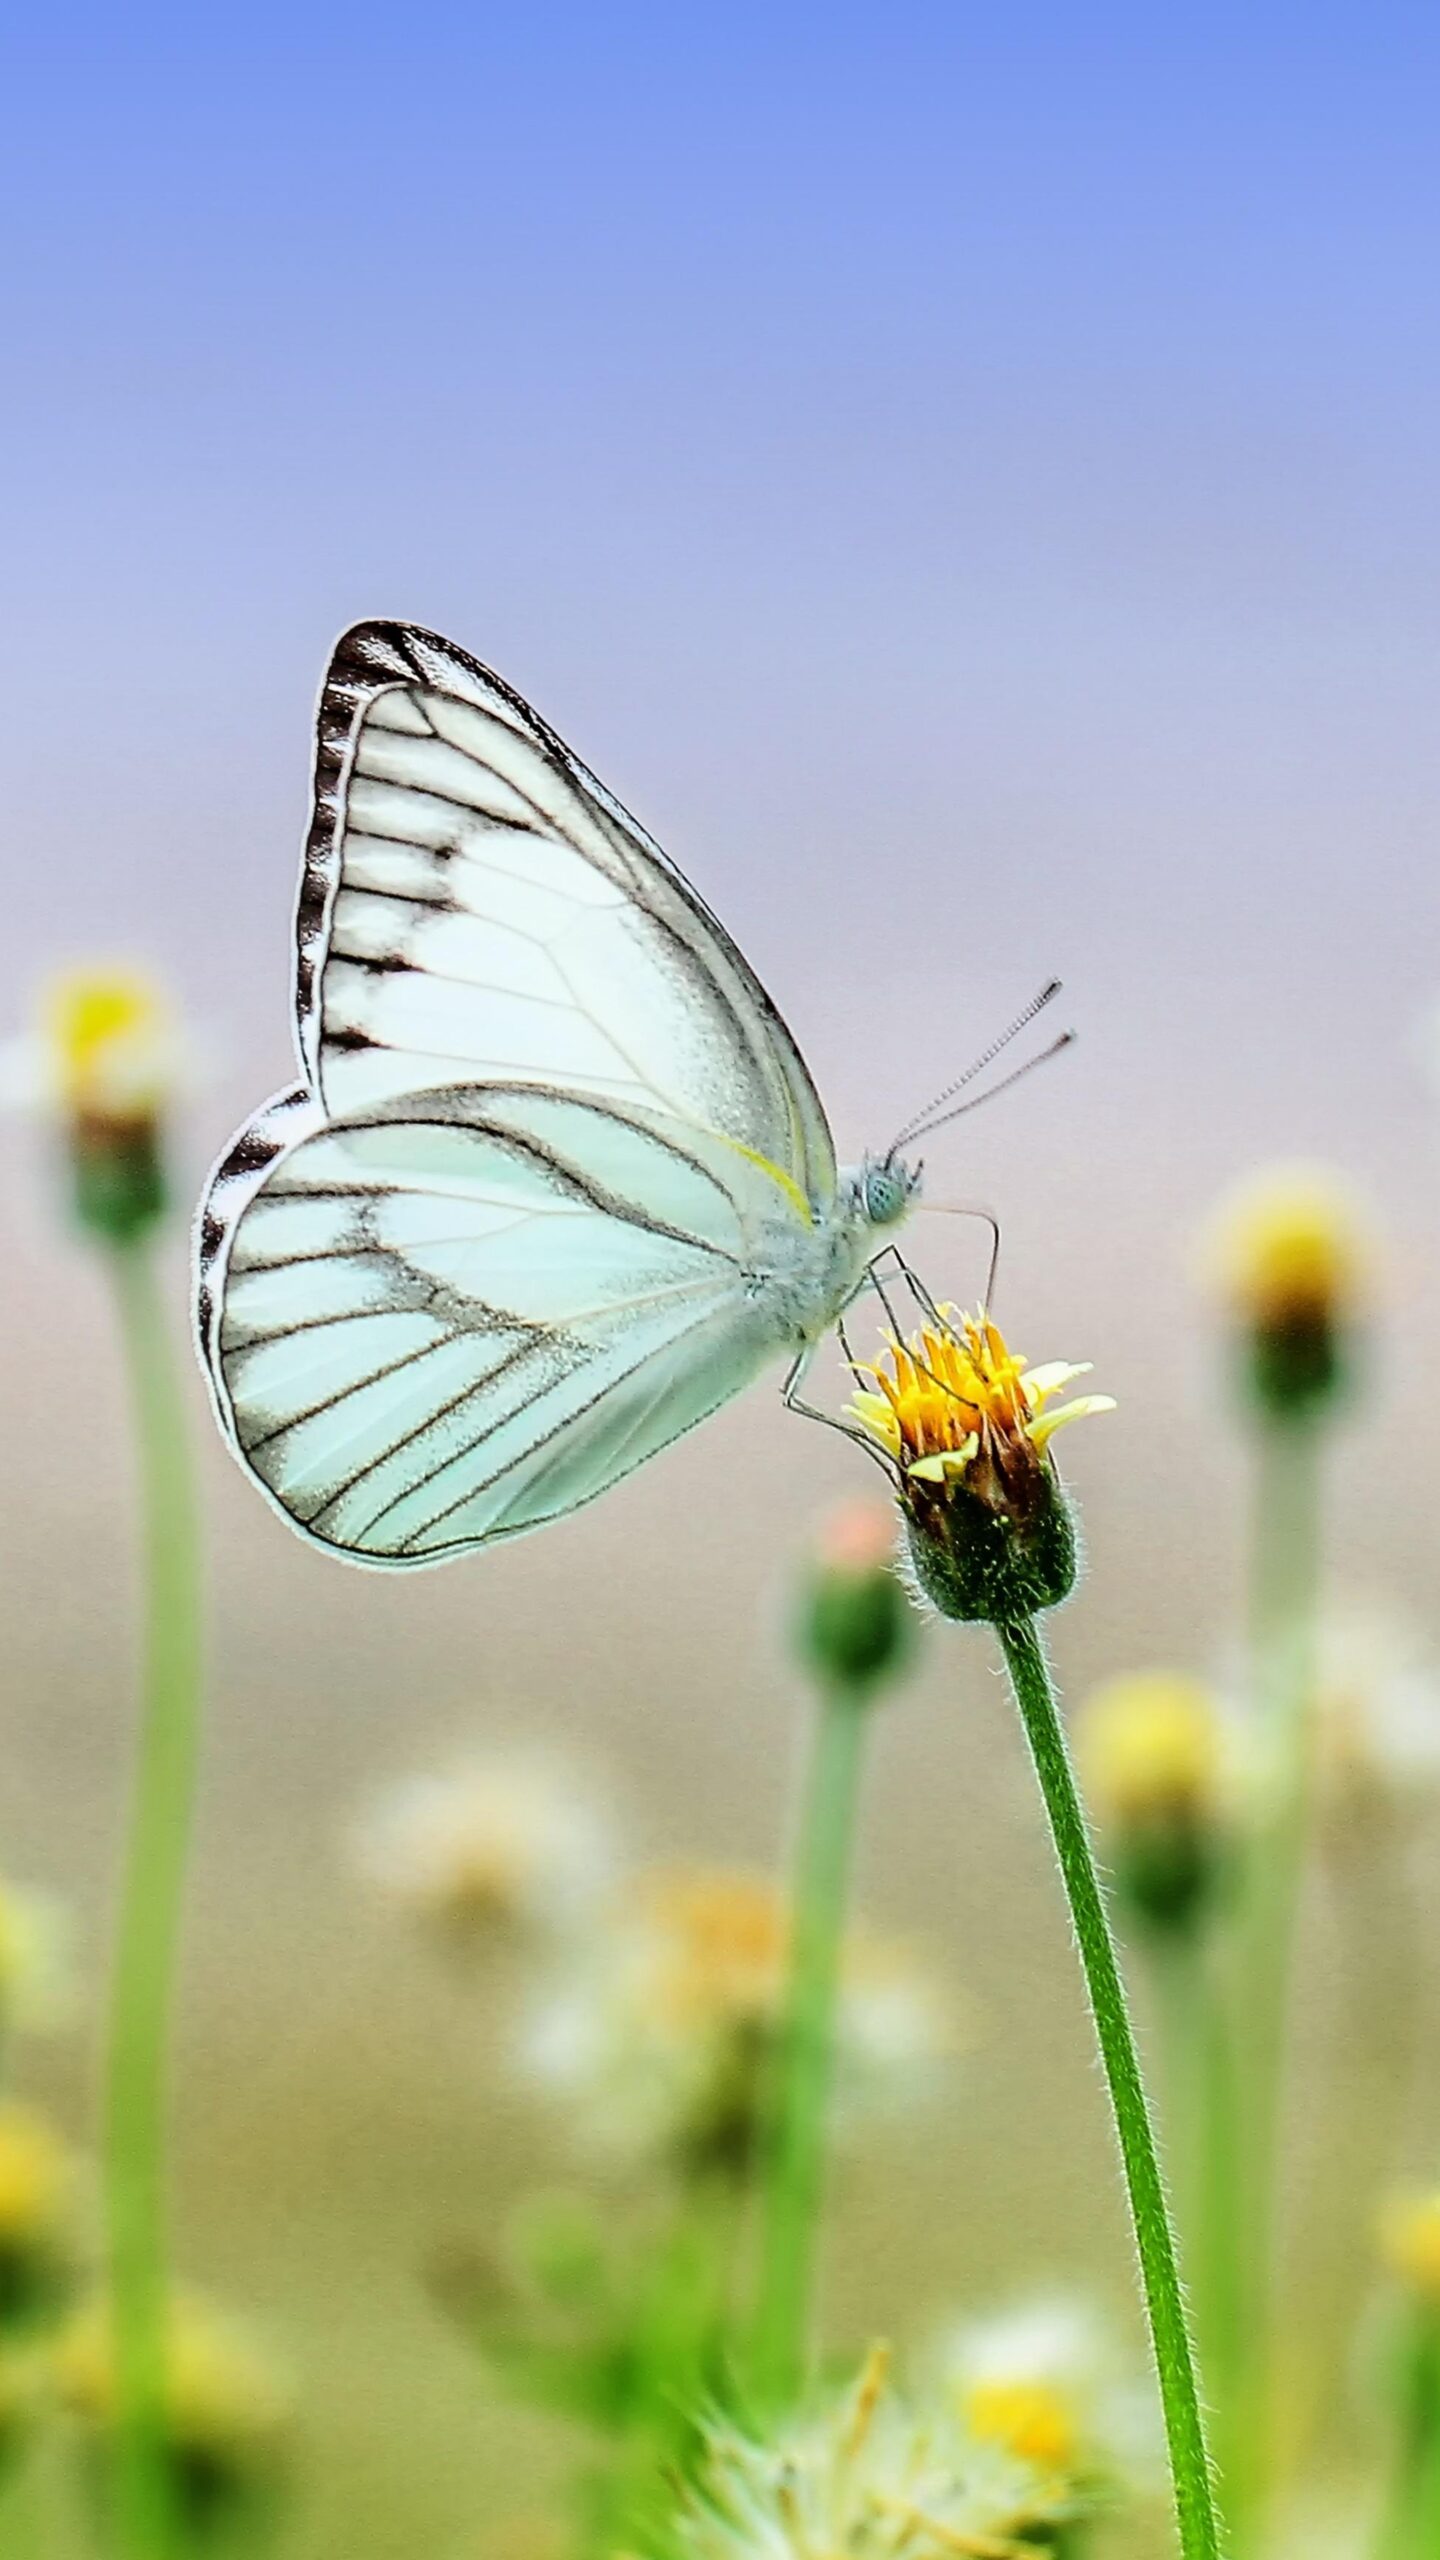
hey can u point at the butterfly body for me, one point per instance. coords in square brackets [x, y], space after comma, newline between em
[556, 1182]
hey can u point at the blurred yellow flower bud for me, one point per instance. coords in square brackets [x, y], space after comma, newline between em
[1410, 2244]
[37, 2181]
[1152, 1754]
[224, 2411]
[111, 1044]
[1291, 1258]
[107, 1070]
[1151, 1745]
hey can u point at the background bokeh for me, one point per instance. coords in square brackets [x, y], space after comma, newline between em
[966, 478]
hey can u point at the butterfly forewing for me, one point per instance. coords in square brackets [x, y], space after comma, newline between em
[476, 905]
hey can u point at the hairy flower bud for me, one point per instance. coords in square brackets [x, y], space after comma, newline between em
[856, 1625]
[968, 1427]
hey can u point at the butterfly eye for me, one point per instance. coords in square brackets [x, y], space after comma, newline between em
[886, 1194]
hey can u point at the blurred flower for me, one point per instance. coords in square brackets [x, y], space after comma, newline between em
[37, 2206]
[111, 1048]
[1410, 2245]
[492, 1847]
[1156, 1755]
[103, 1065]
[968, 1427]
[225, 2411]
[1377, 1711]
[662, 2037]
[1291, 1256]
[857, 1626]
[868, 2478]
[1044, 2381]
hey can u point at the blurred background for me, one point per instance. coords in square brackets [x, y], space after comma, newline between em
[966, 480]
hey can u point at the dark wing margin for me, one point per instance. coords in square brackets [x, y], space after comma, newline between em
[372, 658]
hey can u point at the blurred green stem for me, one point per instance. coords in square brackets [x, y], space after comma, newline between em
[1155, 2242]
[1410, 2524]
[1284, 1601]
[1201, 2094]
[149, 1914]
[795, 2167]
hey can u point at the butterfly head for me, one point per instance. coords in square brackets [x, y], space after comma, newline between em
[888, 1188]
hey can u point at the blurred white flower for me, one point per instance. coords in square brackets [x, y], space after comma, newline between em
[106, 1051]
[1377, 1708]
[494, 1846]
[1046, 2380]
[868, 2478]
[660, 2036]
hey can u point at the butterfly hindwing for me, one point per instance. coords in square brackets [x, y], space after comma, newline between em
[451, 1316]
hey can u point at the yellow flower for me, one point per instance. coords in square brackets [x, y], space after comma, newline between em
[35, 2176]
[1152, 1748]
[1044, 2381]
[224, 2411]
[37, 2183]
[1290, 1256]
[870, 2476]
[967, 1425]
[1289, 1247]
[955, 1403]
[1033, 2420]
[110, 1043]
[1410, 2244]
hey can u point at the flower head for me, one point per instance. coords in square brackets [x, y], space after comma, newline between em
[662, 2036]
[1290, 1256]
[494, 1847]
[968, 1426]
[37, 2184]
[224, 2410]
[1044, 2381]
[102, 1067]
[870, 2476]
[1155, 1753]
[1410, 2245]
[111, 1049]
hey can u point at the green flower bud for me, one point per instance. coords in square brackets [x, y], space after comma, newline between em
[857, 1626]
[993, 1565]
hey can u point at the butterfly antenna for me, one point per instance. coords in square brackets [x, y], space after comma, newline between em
[1065, 1041]
[923, 1121]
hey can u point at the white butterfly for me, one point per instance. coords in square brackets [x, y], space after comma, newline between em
[556, 1183]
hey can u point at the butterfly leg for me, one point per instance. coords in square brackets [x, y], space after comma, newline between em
[794, 1402]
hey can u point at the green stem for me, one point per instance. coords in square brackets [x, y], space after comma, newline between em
[149, 1915]
[795, 2167]
[1149, 2212]
[1284, 1601]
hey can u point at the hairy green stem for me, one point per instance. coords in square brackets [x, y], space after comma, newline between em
[149, 1915]
[1149, 2212]
[795, 2168]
